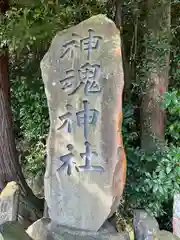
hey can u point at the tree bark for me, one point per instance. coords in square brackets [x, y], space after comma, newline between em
[10, 169]
[155, 74]
[126, 67]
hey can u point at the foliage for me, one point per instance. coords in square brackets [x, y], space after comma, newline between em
[30, 111]
[28, 30]
[26, 26]
[172, 103]
[129, 128]
[152, 179]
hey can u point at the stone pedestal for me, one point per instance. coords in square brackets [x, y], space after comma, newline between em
[43, 229]
[164, 235]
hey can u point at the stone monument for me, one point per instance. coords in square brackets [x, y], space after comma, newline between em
[86, 165]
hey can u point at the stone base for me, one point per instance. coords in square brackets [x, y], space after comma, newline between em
[164, 235]
[43, 229]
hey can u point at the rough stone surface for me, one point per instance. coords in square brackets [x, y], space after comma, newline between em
[37, 185]
[45, 213]
[107, 227]
[44, 230]
[9, 202]
[38, 230]
[85, 168]
[64, 233]
[165, 235]
[176, 215]
[13, 231]
[144, 225]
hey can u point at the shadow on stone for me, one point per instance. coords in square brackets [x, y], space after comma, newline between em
[44, 229]
[13, 231]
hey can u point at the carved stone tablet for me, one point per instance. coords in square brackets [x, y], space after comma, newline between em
[83, 77]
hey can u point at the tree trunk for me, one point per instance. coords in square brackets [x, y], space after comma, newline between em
[10, 169]
[155, 74]
[126, 67]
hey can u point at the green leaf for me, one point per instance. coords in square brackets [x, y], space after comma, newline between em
[155, 188]
[168, 169]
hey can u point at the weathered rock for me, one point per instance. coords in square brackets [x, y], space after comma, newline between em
[64, 233]
[38, 230]
[9, 202]
[85, 170]
[144, 225]
[164, 235]
[176, 215]
[37, 185]
[27, 213]
[13, 231]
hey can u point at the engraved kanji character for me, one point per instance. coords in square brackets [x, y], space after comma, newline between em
[87, 156]
[86, 117]
[89, 43]
[70, 47]
[67, 81]
[67, 160]
[89, 75]
[67, 118]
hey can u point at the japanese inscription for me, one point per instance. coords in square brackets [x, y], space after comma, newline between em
[67, 119]
[83, 118]
[67, 160]
[87, 77]
[86, 117]
[69, 47]
[90, 43]
[68, 163]
[87, 156]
